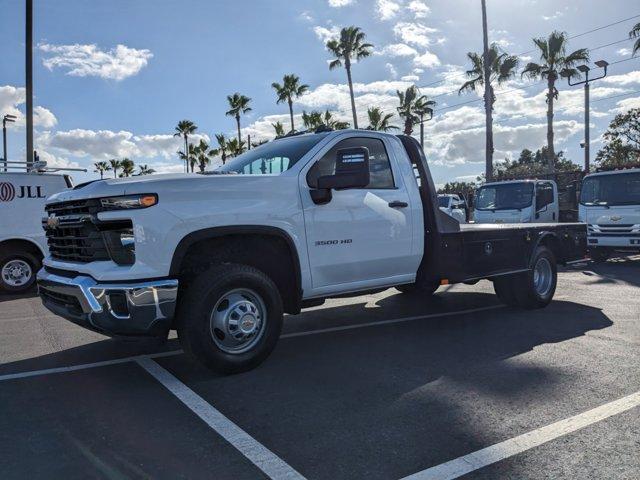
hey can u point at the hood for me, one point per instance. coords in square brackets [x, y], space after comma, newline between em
[502, 216]
[614, 215]
[169, 185]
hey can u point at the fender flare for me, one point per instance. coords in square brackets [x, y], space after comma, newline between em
[24, 240]
[542, 237]
[216, 232]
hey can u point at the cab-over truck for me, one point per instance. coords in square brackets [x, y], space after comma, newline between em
[221, 257]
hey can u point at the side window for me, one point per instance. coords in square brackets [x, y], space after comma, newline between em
[544, 195]
[379, 166]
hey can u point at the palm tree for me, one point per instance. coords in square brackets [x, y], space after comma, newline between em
[289, 90]
[223, 146]
[412, 106]
[238, 104]
[236, 147]
[128, 167]
[189, 158]
[554, 63]
[348, 48]
[115, 166]
[423, 107]
[379, 121]
[315, 120]
[279, 128]
[203, 153]
[145, 170]
[502, 67]
[101, 167]
[184, 129]
[635, 33]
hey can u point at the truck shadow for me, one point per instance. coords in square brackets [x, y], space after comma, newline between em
[617, 269]
[6, 297]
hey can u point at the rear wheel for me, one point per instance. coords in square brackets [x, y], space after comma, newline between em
[599, 254]
[17, 271]
[230, 318]
[535, 288]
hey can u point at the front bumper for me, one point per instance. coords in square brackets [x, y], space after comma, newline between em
[141, 308]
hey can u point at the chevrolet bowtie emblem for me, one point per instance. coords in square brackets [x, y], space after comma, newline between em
[53, 222]
[615, 218]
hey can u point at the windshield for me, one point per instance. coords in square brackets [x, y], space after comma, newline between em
[272, 158]
[443, 202]
[616, 189]
[507, 196]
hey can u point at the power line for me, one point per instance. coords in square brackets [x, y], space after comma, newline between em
[615, 96]
[570, 37]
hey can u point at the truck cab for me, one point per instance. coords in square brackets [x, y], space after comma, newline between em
[22, 241]
[610, 206]
[454, 206]
[517, 201]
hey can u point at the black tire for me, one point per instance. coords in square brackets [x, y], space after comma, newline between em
[530, 295]
[196, 330]
[427, 288]
[599, 255]
[504, 287]
[14, 255]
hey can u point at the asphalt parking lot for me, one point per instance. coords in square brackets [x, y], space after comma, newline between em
[381, 386]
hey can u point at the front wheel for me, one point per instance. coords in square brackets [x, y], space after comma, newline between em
[17, 271]
[230, 318]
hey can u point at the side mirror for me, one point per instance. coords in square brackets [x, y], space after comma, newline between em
[352, 171]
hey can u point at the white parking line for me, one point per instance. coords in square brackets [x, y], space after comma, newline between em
[263, 458]
[500, 451]
[387, 322]
[83, 366]
[47, 371]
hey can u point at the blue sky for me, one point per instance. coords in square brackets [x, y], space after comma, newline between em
[113, 78]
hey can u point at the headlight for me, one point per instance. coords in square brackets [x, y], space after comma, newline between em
[129, 202]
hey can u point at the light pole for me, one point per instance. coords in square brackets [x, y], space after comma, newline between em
[585, 69]
[5, 119]
[28, 62]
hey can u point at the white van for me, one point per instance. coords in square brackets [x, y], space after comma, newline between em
[517, 201]
[22, 240]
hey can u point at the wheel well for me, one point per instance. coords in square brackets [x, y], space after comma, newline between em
[552, 242]
[269, 253]
[19, 245]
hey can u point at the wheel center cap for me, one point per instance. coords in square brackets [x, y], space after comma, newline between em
[16, 272]
[247, 323]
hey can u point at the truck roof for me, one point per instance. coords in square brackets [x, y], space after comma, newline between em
[502, 182]
[614, 172]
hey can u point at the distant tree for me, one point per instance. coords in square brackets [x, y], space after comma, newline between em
[190, 157]
[379, 121]
[412, 104]
[238, 104]
[115, 166]
[502, 67]
[236, 147]
[128, 167]
[554, 63]
[530, 165]
[288, 90]
[145, 170]
[184, 129]
[279, 128]
[315, 119]
[349, 47]
[203, 154]
[467, 189]
[621, 142]
[635, 33]
[223, 146]
[101, 167]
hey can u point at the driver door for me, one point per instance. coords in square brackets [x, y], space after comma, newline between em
[363, 237]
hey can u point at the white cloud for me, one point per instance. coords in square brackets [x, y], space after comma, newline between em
[306, 16]
[340, 3]
[410, 78]
[399, 50]
[624, 52]
[392, 70]
[623, 79]
[325, 34]
[90, 61]
[387, 9]
[427, 60]
[626, 104]
[11, 97]
[414, 33]
[557, 14]
[418, 8]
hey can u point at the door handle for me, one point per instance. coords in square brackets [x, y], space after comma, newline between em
[398, 204]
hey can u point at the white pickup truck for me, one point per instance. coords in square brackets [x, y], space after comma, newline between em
[286, 225]
[22, 241]
[517, 201]
[610, 205]
[454, 206]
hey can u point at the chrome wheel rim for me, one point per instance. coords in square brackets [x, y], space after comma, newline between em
[542, 277]
[238, 320]
[16, 273]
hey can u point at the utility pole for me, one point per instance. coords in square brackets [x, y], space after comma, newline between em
[422, 120]
[5, 119]
[585, 69]
[487, 97]
[29, 79]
